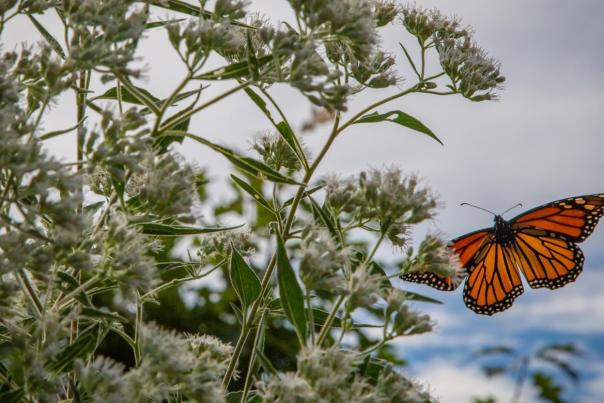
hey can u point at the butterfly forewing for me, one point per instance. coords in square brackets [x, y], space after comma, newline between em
[573, 219]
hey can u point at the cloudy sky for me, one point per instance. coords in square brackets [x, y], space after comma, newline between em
[541, 142]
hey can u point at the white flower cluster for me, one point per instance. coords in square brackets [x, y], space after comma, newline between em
[322, 261]
[333, 375]
[472, 72]
[169, 362]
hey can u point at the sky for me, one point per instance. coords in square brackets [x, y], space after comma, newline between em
[542, 141]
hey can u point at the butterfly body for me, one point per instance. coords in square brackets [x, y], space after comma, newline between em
[503, 231]
[540, 243]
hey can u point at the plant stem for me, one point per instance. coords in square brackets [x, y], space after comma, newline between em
[329, 321]
[178, 281]
[170, 124]
[271, 266]
[31, 293]
[336, 129]
[250, 369]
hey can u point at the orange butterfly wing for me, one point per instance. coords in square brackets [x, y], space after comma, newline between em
[573, 219]
[546, 260]
[493, 281]
[465, 247]
[545, 239]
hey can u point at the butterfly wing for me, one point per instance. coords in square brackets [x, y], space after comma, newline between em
[573, 219]
[546, 259]
[465, 247]
[545, 239]
[493, 281]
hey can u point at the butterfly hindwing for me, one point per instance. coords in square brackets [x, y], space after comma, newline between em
[573, 219]
[493, 281]
[546, 260]
[465, 247]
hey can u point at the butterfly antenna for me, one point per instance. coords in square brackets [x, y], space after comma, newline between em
[480, 208]
[512, 208]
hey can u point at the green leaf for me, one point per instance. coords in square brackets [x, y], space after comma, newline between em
[497, 350]
[128, 96]
[54, 44]
[158, 24]
[151, 228]
[290, 292]
[323, 216]
[413, 296]
[289, 201]
[56, 133]
[70, 284]
[401, 118]
[247, 164]
[83, 346]
[548, 389]
[244, 279]
[265, 362]
[186, 8]
[234, 70]
[13, 396]
[257, 196]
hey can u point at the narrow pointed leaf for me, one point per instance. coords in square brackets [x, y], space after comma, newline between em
[257, 196]
[127, 96]
[186, 8]
[234, 70]
[400, 118]
[244, 279]
[54, 44]
[83, 346]
[150, 228]
[247, 164]
[290, 292]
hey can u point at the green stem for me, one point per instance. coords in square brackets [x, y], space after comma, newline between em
[75, 292]
[137, 329]
[271, 266]
[174, 122]
[28, 288]
[178, 281]
[329, 322]
[256, 345]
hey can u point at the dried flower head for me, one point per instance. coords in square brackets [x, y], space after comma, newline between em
[473, 73]
[164, 185]
[170, 361]
[322, 260]
[103, 380]
[363, 288]
[216, 247]
[275, 152]
[387, 197]
[435, 256]
[124, 256]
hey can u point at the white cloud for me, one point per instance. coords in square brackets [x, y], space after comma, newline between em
[453, 383]
[575, 308]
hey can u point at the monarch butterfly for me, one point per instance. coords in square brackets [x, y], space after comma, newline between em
[541, 243]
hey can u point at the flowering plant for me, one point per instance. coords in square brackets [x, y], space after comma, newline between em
[85, 245]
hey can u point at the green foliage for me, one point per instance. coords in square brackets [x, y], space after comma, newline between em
[114, 287]
[535, 368]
